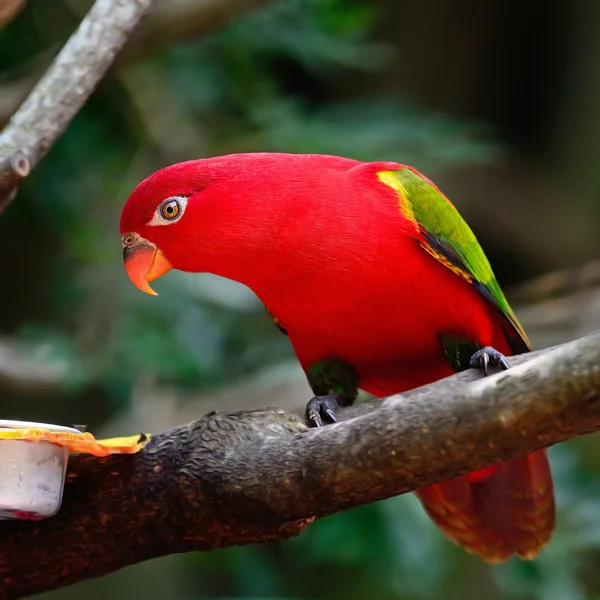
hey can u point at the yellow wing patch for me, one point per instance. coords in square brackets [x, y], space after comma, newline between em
[391, 180]
[444, 234]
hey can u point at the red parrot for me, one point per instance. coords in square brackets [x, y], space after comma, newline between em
[379, 284]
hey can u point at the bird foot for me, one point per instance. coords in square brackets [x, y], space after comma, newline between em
[486, 356]
[322, 408]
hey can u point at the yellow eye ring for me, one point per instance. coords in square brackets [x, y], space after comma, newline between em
[170, 210]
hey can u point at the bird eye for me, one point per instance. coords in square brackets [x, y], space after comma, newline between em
[170, 210]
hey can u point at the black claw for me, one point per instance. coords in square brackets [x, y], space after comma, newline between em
[322, 407]
[486, 356]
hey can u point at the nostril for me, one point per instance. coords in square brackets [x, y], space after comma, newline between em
[128, 240]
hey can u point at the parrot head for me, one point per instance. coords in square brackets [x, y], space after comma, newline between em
[153, 219]
[224, 215]
[192, 216]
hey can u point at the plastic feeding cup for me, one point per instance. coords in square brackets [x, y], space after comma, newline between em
[32, 473]
[33, 464]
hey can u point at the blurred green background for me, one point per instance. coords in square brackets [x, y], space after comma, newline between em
[498, 102]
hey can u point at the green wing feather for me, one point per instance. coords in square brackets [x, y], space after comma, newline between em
[447, 237]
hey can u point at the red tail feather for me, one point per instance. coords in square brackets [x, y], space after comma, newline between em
[497, 512]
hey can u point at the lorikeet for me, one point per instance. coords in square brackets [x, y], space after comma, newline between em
[379, 284]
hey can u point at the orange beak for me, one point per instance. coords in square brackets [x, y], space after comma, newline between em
[144, 262]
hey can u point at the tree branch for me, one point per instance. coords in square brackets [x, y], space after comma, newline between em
[23, 372]
[174, 21]
[65, 87]
[239, 478]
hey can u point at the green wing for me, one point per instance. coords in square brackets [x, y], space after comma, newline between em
[448, 238]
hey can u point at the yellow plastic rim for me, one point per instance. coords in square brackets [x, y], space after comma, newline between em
[82, 442]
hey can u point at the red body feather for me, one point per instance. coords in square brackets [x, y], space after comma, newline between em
[323, 243]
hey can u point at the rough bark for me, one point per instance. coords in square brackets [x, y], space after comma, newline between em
[64, 88]
[239, 478]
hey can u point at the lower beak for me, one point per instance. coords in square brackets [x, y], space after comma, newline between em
[144, 262]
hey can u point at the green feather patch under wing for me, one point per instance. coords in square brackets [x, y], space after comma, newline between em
[448, 238]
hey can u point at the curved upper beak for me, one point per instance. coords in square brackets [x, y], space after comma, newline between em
[144, 262]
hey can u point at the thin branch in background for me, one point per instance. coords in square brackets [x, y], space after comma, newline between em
[23, 372]
[176, 20]
[557, 284]
[62, 91]
[171, 21]
[9, 9]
